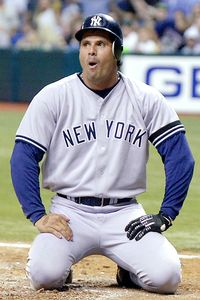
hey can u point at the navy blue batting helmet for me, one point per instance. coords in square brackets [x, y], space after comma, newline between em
[108, 24]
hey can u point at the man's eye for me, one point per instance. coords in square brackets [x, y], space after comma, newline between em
[85, 44]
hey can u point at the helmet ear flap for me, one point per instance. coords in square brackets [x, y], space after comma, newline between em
[117, 49]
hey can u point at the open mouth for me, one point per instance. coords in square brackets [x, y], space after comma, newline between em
[92, 64]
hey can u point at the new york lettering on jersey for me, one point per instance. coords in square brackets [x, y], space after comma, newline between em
[119, 130]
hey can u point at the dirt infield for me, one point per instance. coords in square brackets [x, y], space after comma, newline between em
[93, 279]
[9, 106]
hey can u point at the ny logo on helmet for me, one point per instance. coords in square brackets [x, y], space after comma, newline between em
[96, 21]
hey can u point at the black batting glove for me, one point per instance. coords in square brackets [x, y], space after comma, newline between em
[137, 228]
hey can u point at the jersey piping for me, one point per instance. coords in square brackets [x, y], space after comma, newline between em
[26, 139]
[165, 132]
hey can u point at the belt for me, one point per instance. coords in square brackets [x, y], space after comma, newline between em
[94, 201]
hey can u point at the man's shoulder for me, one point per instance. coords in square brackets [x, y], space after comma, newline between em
[56, 89]
[71, 79]
[139, 87]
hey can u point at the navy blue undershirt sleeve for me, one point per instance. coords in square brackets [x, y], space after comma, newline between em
[179, 165]
[25, 176]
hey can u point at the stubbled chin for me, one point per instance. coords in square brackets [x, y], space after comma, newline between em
[92, 80]
[92, 73]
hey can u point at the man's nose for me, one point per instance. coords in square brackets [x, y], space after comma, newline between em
[92, 50]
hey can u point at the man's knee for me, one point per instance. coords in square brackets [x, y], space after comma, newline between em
[163, 280]
[46, 276]
[167, 280]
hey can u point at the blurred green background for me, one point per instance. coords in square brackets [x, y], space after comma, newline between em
[185, 234]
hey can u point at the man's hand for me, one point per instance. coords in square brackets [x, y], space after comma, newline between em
[142, 225]
[56, 224]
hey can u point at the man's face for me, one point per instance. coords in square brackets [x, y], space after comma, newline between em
[97, 60]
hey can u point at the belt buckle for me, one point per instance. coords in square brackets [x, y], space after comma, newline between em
[102, 201]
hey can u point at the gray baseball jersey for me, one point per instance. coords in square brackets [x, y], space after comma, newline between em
[97, 146]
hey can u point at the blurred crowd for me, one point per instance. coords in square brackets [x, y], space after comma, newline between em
[150, 27]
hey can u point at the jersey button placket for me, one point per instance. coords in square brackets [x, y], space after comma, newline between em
[101, 148]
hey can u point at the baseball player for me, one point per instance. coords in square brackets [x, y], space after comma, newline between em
[92, 131]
